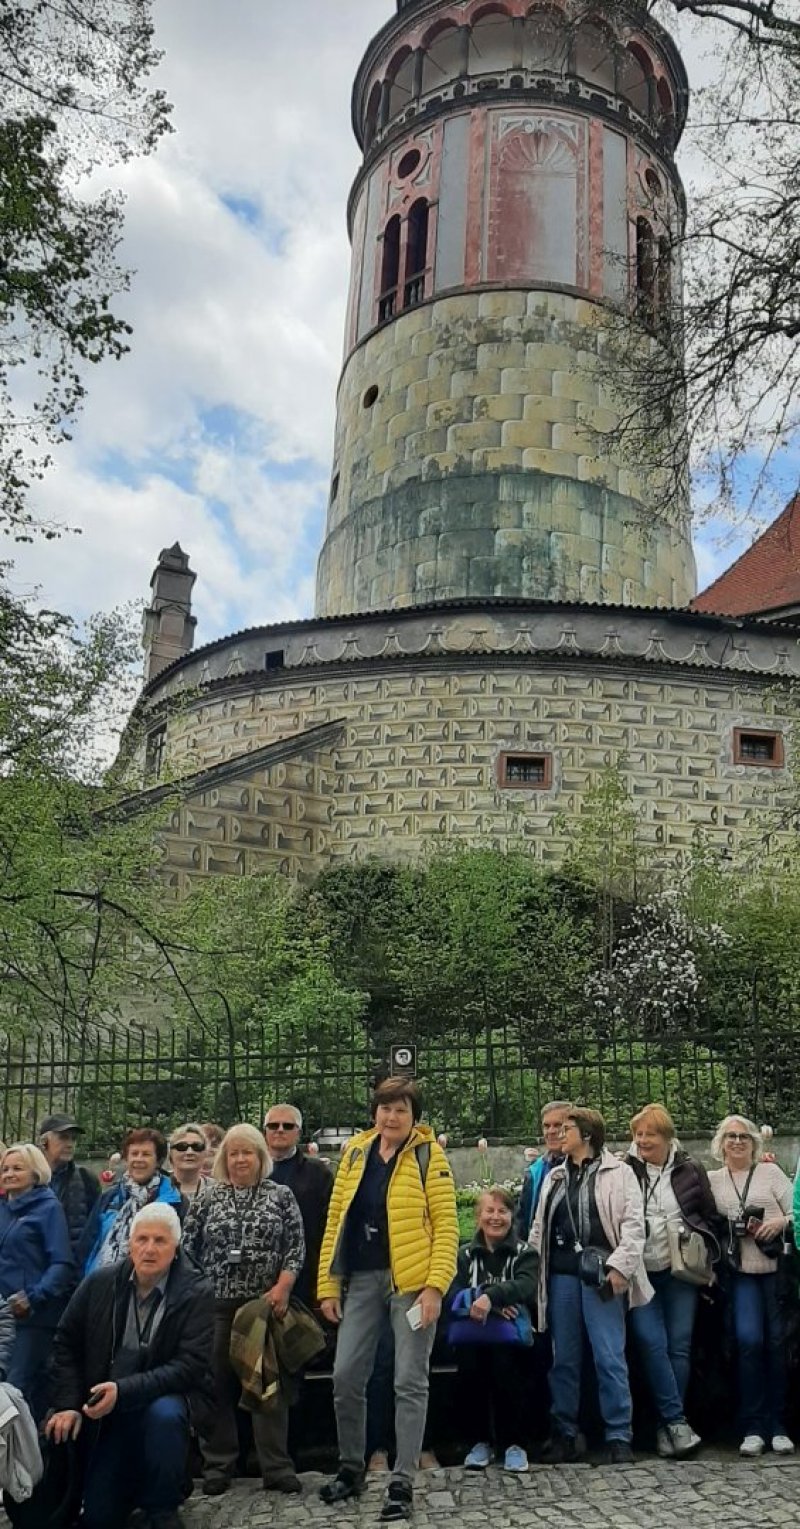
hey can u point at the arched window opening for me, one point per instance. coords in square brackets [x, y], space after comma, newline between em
[645, 271]
[443, 59]
[544, 46]
[401, 76]
[390, 270]
[491, 44]
[633, 83]
[594, 57]
[373, 113]
[416, 254]
[666, 106]
[664, 294]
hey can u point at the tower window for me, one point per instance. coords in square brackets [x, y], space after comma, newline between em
[645, 271]
[664, 281]
[373, 113]
[408, 164]
[416, 254]
[757, 748]
[390, 271]
[666, 106]
[532, 772]
[274, 658]
[155, 752]
[370, 397]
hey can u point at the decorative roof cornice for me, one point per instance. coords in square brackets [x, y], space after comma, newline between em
[502, 628]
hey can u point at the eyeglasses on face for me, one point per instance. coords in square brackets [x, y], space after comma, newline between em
[737, 1136]
[188, 1146]
[282, 1125]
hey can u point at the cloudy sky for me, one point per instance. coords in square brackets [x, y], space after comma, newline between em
[216, 430]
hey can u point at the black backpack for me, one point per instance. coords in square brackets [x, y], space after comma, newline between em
[56, 1501]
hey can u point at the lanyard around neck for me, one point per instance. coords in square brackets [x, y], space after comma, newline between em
[143, 1331]
[742, 1198]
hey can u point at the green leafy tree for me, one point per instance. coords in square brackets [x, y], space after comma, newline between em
[79, 902]
[75, 98]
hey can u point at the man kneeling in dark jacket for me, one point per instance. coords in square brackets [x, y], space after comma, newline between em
[131, 1353]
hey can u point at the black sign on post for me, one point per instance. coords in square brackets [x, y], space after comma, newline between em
[403, 1059]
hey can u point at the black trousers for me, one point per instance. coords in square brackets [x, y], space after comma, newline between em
[492, 1380]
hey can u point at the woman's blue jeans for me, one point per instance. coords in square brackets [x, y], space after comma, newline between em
[760, 1353]
[571, 1307]
[662, 1332]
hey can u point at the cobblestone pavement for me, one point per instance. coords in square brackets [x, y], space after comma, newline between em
[713, 1491]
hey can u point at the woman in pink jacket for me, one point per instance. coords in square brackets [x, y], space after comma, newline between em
[590, 1234]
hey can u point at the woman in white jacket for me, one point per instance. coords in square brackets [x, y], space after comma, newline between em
[589, 1233]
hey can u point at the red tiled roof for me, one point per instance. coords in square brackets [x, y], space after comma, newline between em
[765, 578]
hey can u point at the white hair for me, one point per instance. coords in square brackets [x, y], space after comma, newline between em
[34, 1159]
[293, 1110]
[725, 1125]
[158, 1211]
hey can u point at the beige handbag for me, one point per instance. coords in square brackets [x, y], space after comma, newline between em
[690, 1255]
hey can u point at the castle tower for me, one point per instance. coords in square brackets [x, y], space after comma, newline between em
[518, 183]
[168, 627]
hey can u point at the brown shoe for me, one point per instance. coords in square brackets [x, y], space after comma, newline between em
[378, 1461]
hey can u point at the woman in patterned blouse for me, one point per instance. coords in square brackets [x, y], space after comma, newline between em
[246, 1234]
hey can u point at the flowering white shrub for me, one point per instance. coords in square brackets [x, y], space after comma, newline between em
[654, 978]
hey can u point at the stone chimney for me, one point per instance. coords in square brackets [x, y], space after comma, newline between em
[168, 630]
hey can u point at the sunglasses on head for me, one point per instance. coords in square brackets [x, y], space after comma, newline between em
[281, 1125]
[188, 1146]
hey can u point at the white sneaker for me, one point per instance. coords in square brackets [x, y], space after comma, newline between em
[782, 1444]
[664, 1445]
[516, 1458]
[684, 1440]
[752, 1445]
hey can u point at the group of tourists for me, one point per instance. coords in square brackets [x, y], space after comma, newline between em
[165, 1308]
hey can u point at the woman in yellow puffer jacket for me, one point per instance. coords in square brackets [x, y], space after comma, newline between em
[390, 1244]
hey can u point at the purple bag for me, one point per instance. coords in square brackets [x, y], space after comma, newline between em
[462, 1331]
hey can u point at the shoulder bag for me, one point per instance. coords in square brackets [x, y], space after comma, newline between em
[690, 1255]
[462, 1331]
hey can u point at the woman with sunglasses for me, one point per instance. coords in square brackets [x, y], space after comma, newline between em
[754, 1200]
[187, 1150]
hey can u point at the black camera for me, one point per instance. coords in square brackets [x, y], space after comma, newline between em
[749, 1217]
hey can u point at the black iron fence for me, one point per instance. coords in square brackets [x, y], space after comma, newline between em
[492, 1082]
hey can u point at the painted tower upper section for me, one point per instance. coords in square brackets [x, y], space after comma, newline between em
[518, 182]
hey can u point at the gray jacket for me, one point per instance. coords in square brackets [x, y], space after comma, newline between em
[21, 1465]
[8, 1333]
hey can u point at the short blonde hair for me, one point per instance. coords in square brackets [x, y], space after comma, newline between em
[656, 1116]
[724, 1126]
[254, 1139]
[35, 1159]
[191, 1128]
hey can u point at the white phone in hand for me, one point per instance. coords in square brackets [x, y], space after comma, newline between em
[414, 1317]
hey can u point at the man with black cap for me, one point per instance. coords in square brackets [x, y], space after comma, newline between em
[75, 1187]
